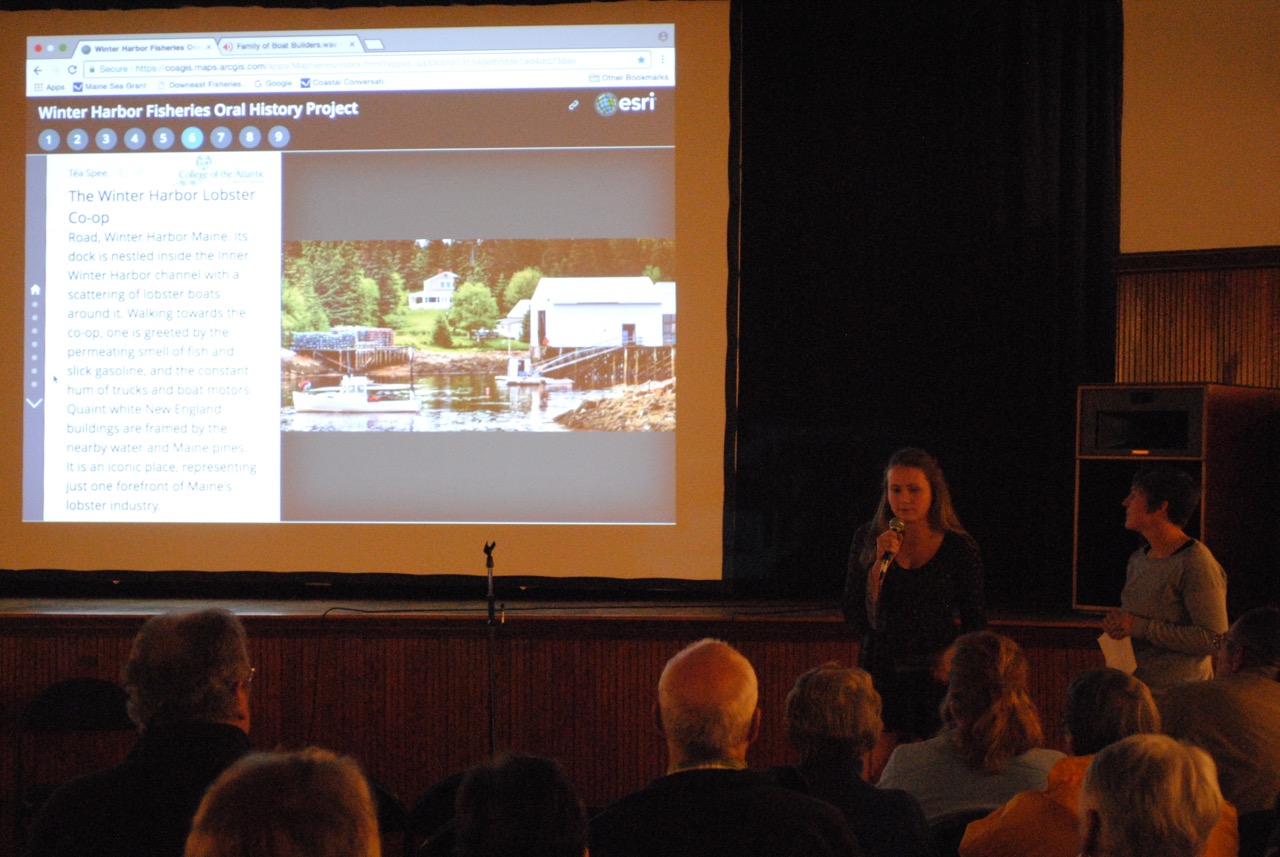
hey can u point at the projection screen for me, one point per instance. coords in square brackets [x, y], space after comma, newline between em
[365, 290]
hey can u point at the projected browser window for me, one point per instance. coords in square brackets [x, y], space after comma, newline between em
[382, 276]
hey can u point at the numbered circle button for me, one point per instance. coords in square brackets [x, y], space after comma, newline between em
[49, 140]
[250, 137]
[77, 140]
[135, 139]
[106, 139]
[162, 138]
[278, 136]
[192, 138]
[221, 137]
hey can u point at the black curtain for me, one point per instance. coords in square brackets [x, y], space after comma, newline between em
[928, 221]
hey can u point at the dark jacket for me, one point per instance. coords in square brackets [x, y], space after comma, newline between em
[720, 813]
[142, 807]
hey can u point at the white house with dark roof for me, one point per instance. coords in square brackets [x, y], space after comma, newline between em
[437, 292]
[580, 312]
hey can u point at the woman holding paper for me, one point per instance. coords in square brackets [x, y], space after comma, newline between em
[1174, 603]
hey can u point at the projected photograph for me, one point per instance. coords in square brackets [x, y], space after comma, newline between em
[450, 335]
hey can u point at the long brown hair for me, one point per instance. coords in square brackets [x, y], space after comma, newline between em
[942, 515]
[988, 707]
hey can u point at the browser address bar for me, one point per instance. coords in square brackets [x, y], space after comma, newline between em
[604, 60]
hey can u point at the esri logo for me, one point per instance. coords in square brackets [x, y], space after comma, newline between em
[606, 104]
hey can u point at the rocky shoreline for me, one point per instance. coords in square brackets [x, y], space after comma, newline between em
[649, 407]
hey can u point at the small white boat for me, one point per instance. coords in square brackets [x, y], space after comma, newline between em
[357, 394]
[520, 373]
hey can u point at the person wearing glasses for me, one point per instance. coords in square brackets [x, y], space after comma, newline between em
[1235, 716]
[188, 679]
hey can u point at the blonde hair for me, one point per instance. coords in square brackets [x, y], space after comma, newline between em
[1153, 795]
[987, 705]
[305, 804]
[833, 709]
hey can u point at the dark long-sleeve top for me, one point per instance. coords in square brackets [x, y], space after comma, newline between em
[887, 822]
[922, 609]
[142, 807]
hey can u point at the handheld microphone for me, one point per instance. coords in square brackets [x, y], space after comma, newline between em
[897, 525]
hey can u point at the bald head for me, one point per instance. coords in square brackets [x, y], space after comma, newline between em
[707, 701]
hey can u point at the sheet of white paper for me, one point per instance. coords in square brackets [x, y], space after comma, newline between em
[1118, 653]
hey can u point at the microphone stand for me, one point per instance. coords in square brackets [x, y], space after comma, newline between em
[492, 646]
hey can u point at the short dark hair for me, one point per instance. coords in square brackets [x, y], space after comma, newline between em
[1163, 483]
[520, 805]
[1256, 635]
[185, 667]
[1105, 705]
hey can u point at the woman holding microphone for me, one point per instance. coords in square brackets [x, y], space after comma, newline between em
[914, 584]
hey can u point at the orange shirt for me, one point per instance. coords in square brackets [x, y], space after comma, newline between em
[1046, 823]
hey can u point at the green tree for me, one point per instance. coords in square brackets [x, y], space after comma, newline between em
[473, 308]
[392, 298]
[522, 285]
[441, 336]
[364, 303]
[300, 310]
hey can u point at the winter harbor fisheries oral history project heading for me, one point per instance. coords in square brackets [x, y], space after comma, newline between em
[245, 109]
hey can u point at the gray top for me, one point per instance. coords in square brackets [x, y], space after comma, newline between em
[1237, 720]
[935, 774]
[1180, 607]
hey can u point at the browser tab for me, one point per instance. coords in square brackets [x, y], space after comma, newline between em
[290, 45]
[186, 48]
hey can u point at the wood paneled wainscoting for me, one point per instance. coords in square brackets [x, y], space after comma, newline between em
[404, 688]
[1203, 316]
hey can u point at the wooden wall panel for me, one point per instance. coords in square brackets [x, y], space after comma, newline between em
[1211, 317]
[407, 695]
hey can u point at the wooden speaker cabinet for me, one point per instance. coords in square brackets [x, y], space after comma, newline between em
[1228, 437]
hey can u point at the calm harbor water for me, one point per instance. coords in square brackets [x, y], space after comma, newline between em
[450, 403]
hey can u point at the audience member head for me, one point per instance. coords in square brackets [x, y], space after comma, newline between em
[520, 806]
[1252, 642]
[707, 706]
[1163, 483]
[1148, 794]
[987, 705]
[189, 667]
[1104, 706]
[305, 804]
[833, 712]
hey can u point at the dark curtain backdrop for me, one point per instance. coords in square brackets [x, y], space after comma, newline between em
[929, 217]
